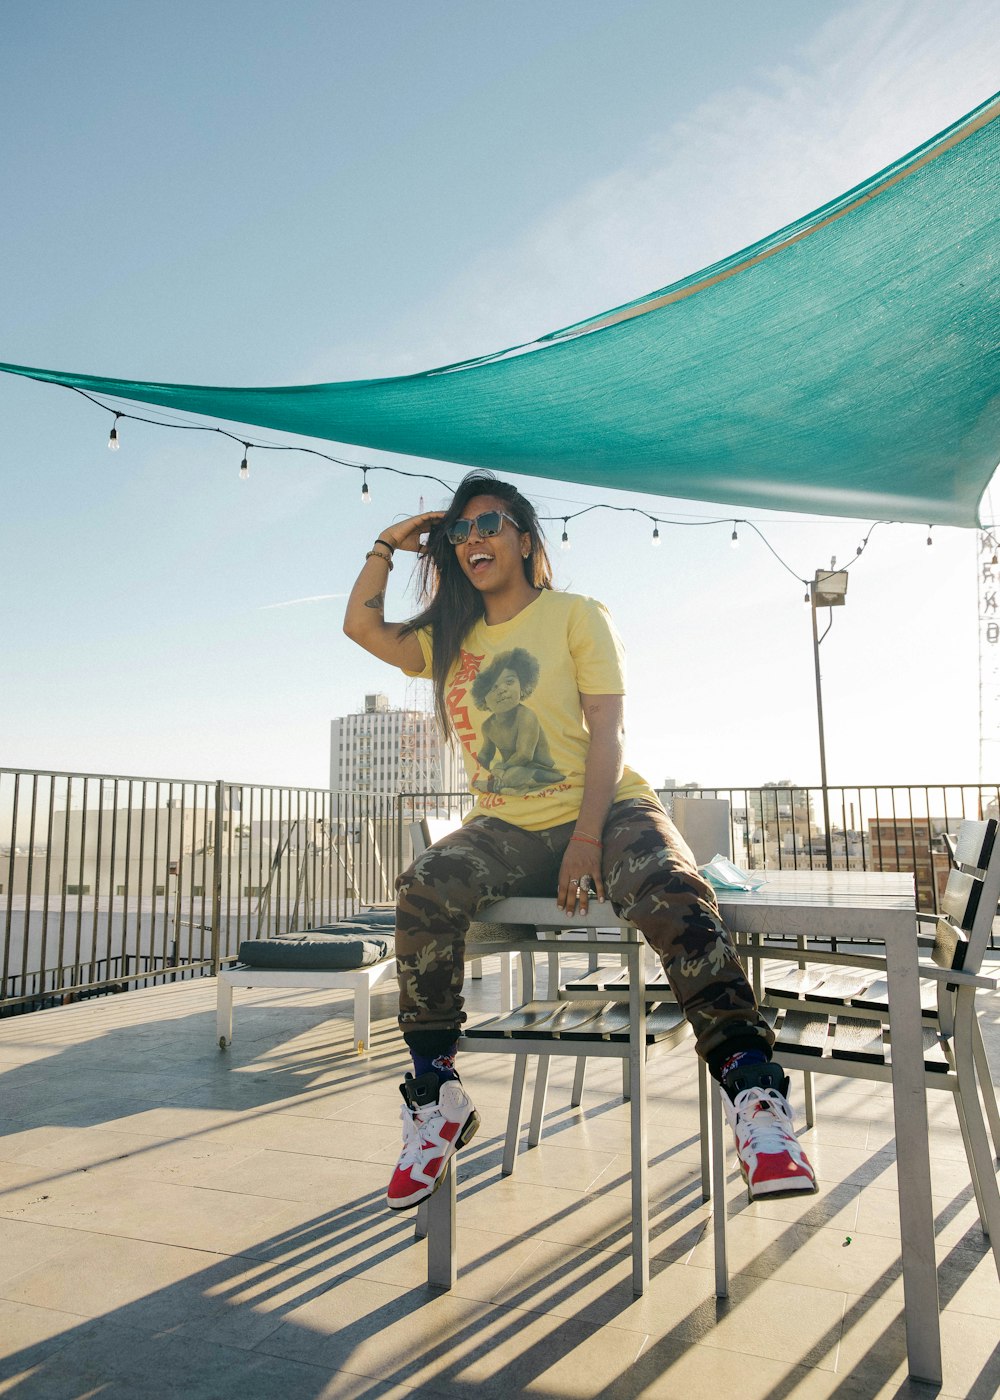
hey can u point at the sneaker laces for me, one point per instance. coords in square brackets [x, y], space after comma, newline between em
[412, 1145]
[764, 1118]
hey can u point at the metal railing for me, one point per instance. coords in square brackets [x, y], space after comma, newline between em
[111, 882]
[871, 827]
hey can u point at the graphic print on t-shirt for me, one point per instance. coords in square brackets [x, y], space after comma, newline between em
[524, 737]
[515, 752]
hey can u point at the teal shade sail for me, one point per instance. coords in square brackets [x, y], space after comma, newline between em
[849, 364]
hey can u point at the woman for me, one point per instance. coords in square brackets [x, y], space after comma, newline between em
[579, 824]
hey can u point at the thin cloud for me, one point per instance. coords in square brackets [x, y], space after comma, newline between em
[294, 602]
[870, 85]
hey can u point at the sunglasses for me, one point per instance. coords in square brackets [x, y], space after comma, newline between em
[488, 524]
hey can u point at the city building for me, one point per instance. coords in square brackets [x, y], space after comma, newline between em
[387, 751]
[913, 844]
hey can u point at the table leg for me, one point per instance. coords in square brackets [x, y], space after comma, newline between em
[913, 1168]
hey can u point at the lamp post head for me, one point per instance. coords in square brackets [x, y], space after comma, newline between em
[829, 588]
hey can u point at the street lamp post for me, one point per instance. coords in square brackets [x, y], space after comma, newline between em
[827, 590]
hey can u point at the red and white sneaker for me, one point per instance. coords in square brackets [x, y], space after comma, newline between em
[770, 1157]
[438, 1119]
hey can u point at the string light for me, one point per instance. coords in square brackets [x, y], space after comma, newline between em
[807, 599]
[366, 496]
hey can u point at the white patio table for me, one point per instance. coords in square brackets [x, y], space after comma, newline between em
[879, 908]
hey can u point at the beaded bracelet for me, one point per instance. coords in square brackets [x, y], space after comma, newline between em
[377, 554]
[587, 840]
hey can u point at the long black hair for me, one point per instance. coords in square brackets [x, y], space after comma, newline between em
[451, 604]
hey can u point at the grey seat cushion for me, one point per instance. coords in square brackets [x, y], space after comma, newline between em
[333, 948]
[371, 918]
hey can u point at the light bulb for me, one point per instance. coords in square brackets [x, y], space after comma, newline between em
[113, 443]
[656, 537]
[929, 540]
[734, 539]
[806, 597]
[366, 495]
[245, 465]
[564, 542]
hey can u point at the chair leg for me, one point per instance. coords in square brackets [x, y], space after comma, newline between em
[420, 1222]
[974, 1133]
[514, 1115]
[719, 1193]
[640, 1182]
[970, 1155]
[986, 1085]
[579, 1079]
[807, 1098]
[477, 969]
[638, 1134]
[705, 1125]
[538, 1101]
[442, 1264]
[506, 1000]
[988, 1194]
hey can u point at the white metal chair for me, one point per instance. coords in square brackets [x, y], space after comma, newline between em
[601, 1026]
[831, 1014]
[704, 823]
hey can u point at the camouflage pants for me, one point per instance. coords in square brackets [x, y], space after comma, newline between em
[650, 877]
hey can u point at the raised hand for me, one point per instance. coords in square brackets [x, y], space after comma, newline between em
[405, 534]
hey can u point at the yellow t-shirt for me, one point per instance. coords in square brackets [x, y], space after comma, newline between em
[514, 702]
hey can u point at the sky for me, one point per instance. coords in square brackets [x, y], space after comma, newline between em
[236, 192]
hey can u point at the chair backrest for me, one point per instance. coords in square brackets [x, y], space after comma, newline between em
[704, 824]
[428, 830]
[969, 903]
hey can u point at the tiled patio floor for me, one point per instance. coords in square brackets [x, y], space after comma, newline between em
[175, 1220]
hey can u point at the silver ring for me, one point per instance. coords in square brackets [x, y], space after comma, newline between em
[574, 882]
[585, 886]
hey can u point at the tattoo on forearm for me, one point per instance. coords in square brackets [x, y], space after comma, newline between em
[378, 602]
